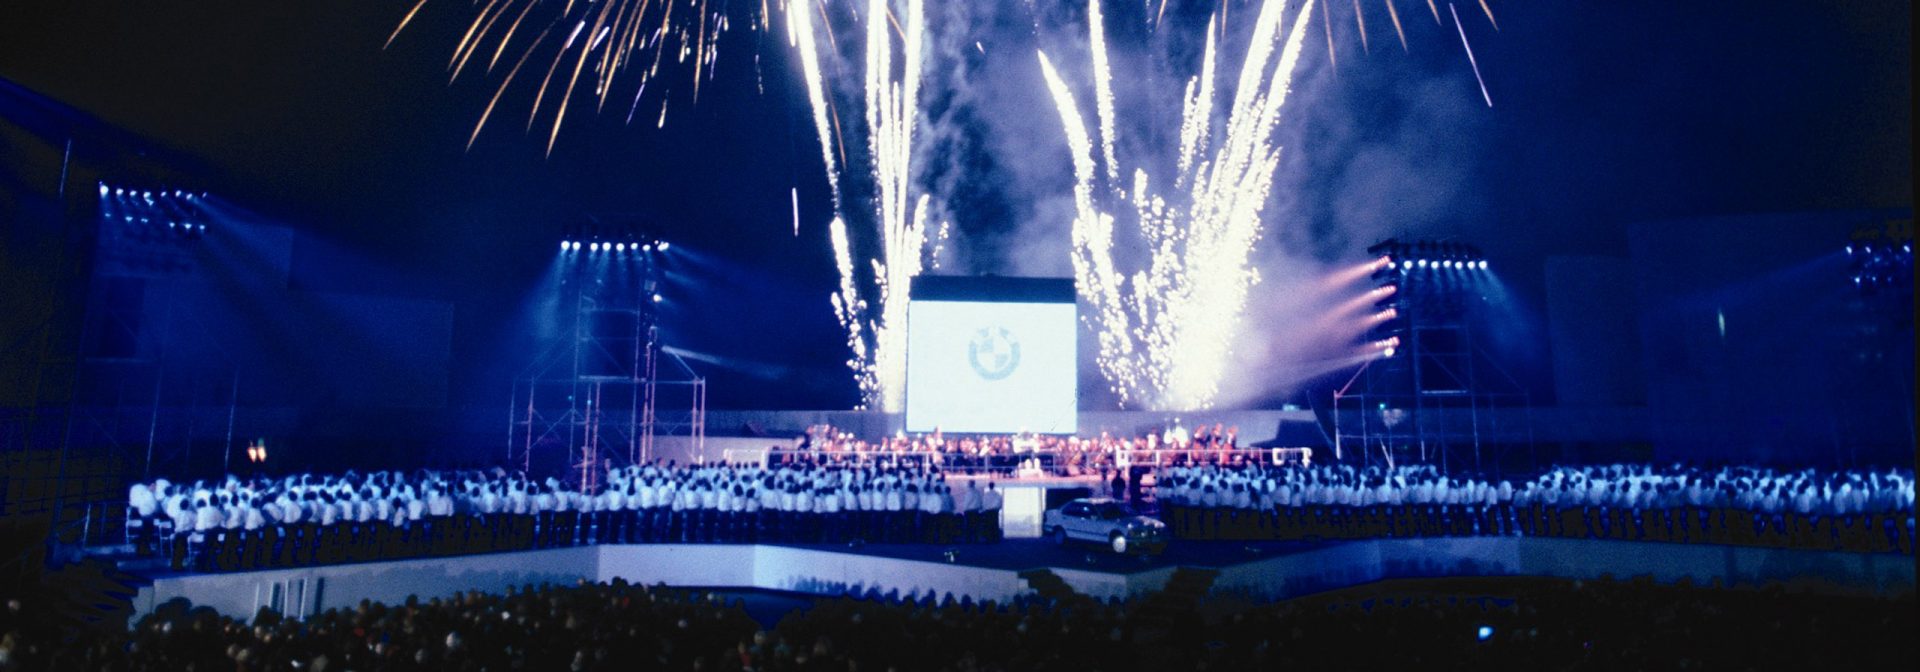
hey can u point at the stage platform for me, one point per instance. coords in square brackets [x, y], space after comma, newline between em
[1260, 571]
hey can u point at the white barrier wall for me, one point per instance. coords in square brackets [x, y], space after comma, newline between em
[308, 591]
[825, 573]
[311, 590]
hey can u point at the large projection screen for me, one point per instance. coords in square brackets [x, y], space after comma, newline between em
[992, 355]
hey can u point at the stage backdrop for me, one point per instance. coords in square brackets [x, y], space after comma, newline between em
[991, 354]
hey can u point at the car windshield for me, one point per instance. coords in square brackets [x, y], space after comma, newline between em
[1113, 511]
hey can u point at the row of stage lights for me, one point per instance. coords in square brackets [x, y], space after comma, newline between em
[179, 209]
[1424, 277]
[1881, 267]
[599, 246]
[1437, 264]
[149, 194]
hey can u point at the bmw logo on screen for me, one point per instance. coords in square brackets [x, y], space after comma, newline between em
[994, 353]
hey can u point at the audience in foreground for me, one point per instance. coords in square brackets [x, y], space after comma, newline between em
[1470, 624]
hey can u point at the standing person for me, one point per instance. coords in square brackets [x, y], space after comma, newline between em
[865, 501]
[207, 521]
[253, 525]
[991, 501]
[911, 513]
[970, 510]
[830, 516]
[895, 503]
[141, 505]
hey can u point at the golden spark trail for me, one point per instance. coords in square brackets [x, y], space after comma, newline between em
[611, 34]
[1326, 21]
[1360, 18]
[403, 23]
[503, 87]
[1395, 15]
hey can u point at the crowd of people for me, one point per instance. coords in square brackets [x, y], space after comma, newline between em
[1008, 454]
[238, 524]
[1869, 511]
[1468, 624]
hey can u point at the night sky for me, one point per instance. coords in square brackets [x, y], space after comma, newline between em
[1604, 114]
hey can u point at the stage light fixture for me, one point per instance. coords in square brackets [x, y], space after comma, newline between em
[658, 298]
[563, 246]
[103, 189]
[576, 246]
[663, 246]
[621, 247]
[1483, 264]
[1484, 633]
[1421, 263]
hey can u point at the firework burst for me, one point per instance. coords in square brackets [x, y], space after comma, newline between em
[876, 328]
[1164, 331]
[586, 46]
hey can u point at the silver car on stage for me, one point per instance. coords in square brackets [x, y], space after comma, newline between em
[1105, 521]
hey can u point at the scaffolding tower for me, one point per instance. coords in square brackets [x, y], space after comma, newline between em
[594, 397]
[1434, 395]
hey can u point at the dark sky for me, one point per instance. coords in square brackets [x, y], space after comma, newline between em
[1604, 114]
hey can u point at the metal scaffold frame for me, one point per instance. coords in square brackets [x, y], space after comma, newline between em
[596, 396]
[1436, 396]
[143, 398]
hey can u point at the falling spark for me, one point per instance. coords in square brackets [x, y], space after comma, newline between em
[1326, 21]
[1436, 13]
[620, 36]
[876, 326]
[1360, 18]
[1164, 331]
[1470, 60]
[1395, 15]
[796, 212]
[800, 36]
[1489, 11]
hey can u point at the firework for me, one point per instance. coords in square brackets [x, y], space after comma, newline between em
[601, 40]
[1393, 15]
[1469, 48]
[876, 328]
[1164, 330]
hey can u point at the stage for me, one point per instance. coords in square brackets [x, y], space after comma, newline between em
[1260, 571]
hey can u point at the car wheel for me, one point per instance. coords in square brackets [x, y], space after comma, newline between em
[1059, 535]
[1118, 542]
